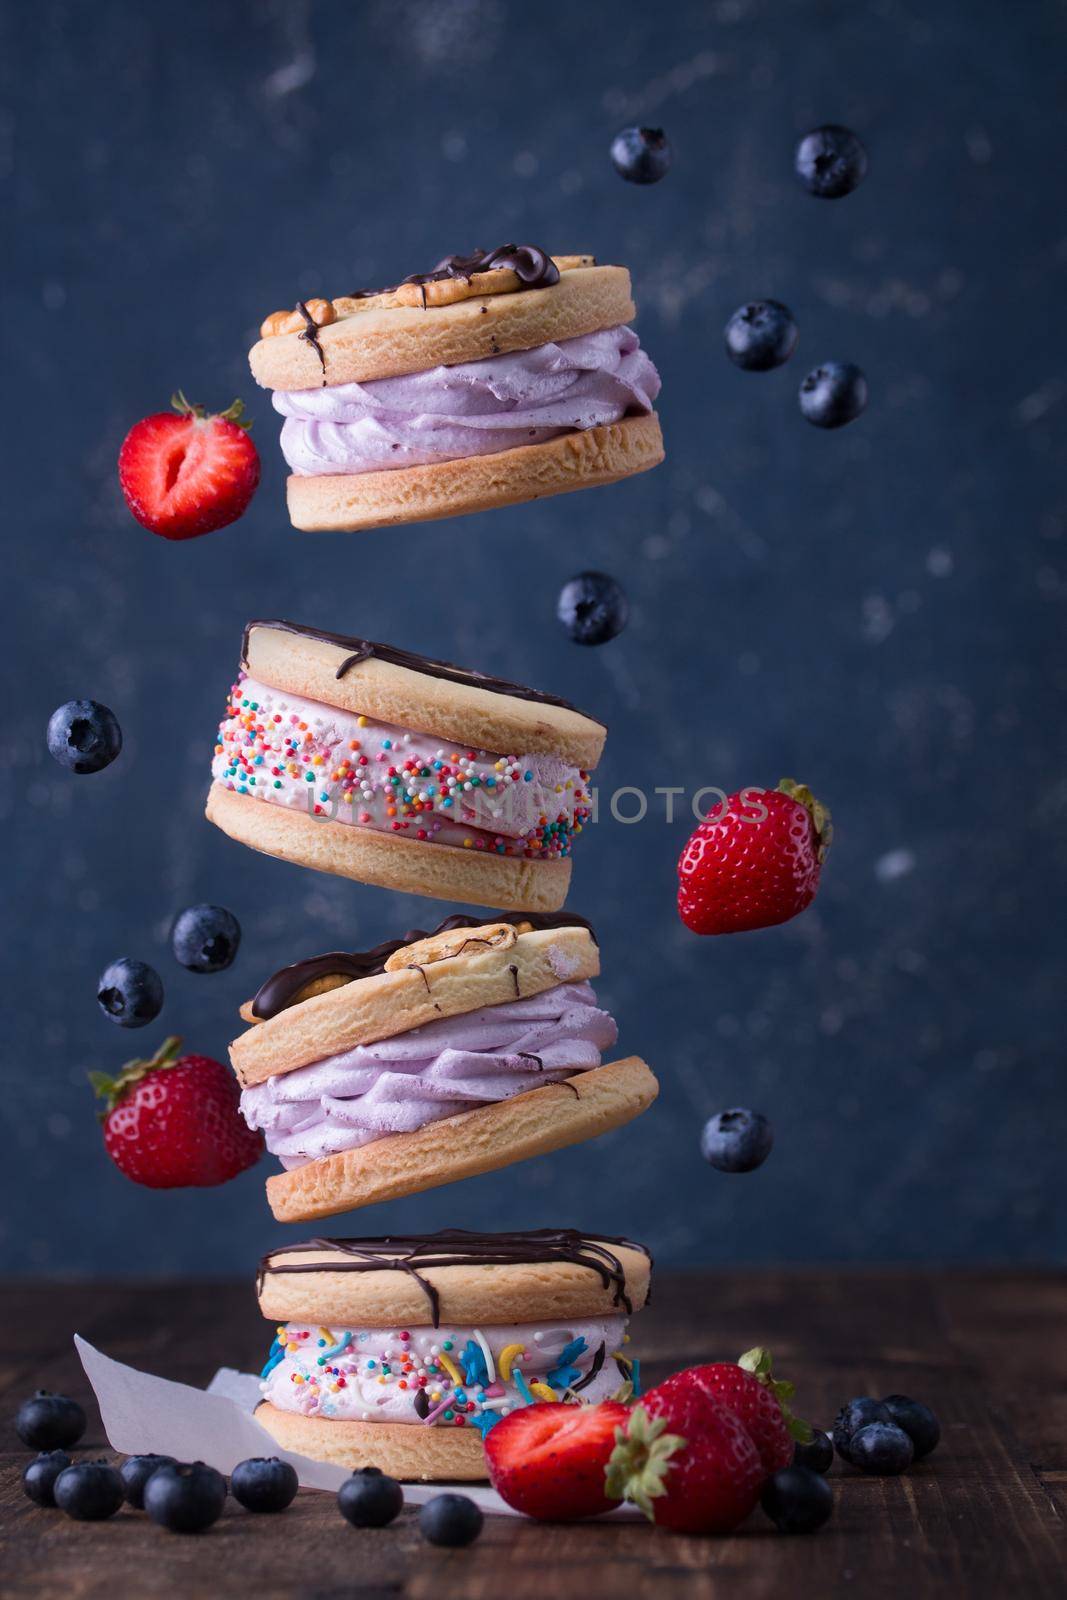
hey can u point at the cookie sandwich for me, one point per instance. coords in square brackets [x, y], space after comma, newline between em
[498, 377]
[375, 1074]
[384, 766]
[403, 1353]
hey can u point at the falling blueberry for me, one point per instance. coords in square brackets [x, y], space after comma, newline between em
[264, 1483]
[370, 1499]
[130, 993]
[833, 394]
[761, 335]
[452, 1520]
[830, 161]
[84, 736]
[917, 1420]
[135, 1473]
[817, 1454]
[50, 1421]
[882, 1448]
[852, 1417]
[641, 155]
[39, 1478]
[737, 1141]
[797, 1500]
[593, 608]
[185, 1498]
[89, 1491]
[205, 938]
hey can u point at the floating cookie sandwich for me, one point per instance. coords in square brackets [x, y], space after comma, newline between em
[381, 1073]
[376, 764]
[403, 1353]
[499, 377]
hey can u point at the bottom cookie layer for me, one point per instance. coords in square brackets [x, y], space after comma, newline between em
[531, 1124]
[439, 871]
[411, 1453]
[346, 503]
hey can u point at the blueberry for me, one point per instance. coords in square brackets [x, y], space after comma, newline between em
[185, 1498]
[84, 736]
[761, 335]
[89, 1491]
[205, 938]
[833, 394]
[917, 1420]
[369, 1499]
[39, 1478]
[135, 1473]
[641, 155]
[450, 1519]
[264, 1483]
[830, 161]
[817, 1454]
[797, 1500]
[50, 1421]
[854, 1416]
[130, 993]
[593, 608]
[737, 1140]
[881, 1447]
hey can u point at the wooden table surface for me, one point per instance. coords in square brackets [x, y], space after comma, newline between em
[985, 1516]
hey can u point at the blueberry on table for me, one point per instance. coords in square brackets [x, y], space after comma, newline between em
[135, 1473]
[593, 608]
[39, 1478]
[797, 1500]
[185, 1498]
[881, 1447]
[641, 155]
[84, 736]
[917, 1420]
[833, 394]
[370, 1499]
[761, 335]
[50, 1421]
[89, 1491]
[451, 1520]
[830, 161]
[264, 1483]
[854, 1416]
[817, 1455]
[130, 993]
[738, 1140]
[205, 938]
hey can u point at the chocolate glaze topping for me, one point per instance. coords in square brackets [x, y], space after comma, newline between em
[282, 987]
[364, 649]
[311, 334]
[455, 1247]
[533, 267]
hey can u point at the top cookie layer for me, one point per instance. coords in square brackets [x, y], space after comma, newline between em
[453, 1277]
[425, 696]
[385, 336]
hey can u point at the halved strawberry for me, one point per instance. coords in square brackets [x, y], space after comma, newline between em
[548, 1460]
[188, 473]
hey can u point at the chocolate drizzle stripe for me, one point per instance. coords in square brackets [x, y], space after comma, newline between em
[455, 1247]
[533, 267]
[282, 987]
[311, 334]
[365, 649]
[598, 1362]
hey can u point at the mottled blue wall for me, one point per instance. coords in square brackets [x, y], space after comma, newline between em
[879, 611]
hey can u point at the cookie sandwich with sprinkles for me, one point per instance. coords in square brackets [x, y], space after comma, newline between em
[388, 767]
[380, 1073]
[403, 1353]
[501, 376]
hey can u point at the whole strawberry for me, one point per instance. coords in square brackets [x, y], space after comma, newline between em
[184, 472]
[756, 1398]
[172, 1122]
[686, 1461]
[756, 865]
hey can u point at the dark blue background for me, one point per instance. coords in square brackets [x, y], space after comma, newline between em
[878, 611]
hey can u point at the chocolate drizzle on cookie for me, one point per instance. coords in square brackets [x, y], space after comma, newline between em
[366, 649]
[311, 335]
[282, 988]
[455, 1247]
[534, 268]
